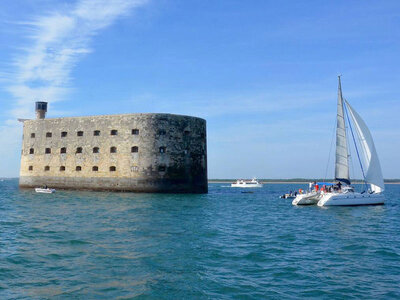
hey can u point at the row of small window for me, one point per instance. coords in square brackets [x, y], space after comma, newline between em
[80, 133]
[134, 149]
[96, 168]
[77, 168]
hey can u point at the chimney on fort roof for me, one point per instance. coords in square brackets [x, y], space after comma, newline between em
[41, 109]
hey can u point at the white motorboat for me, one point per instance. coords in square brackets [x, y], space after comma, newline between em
[288, 196]
[369, 162]
[247, 184]
[45, 190]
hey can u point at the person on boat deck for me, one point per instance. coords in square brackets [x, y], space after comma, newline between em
[339, 185]
[316, 187]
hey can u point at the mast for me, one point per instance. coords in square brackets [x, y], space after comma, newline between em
[342, 153]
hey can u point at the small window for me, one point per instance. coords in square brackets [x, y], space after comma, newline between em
[162, 132]
[47, 168]
[114, 132]
[62, 168]
[96, 150]
[64, 134]
[79, 133]
[185, 152]
[41, 105]
[202, 135]
[78, 168]
[95, 168]
[30, 168]
[49, 134]
[163, 149]
[161, 168]
[32, 135]
[31, 151]
[63, 150]
[134, 168]
[47, 151]
[135, 131]
[134, 149]
[79, 150]
[96, 132]
[186, 132]
[113, 150]
[113, 169]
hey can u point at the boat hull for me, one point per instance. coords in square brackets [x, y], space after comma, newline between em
[44, 191]
[307, 199]
[287, 196]
[351, 199]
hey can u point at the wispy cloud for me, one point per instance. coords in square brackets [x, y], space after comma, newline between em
[57, 40]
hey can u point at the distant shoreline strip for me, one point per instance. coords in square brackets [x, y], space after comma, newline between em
[287, 182]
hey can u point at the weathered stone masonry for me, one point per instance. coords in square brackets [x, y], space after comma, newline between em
[130, 152]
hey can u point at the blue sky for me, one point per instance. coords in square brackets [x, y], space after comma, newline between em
[262, 73]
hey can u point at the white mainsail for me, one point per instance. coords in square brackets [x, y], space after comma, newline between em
[373, 173]
[342, 153]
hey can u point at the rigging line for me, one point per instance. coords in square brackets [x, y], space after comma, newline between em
[330, 150]
[355, 145]
[350, 156]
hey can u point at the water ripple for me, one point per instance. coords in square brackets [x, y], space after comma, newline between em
[222, 245]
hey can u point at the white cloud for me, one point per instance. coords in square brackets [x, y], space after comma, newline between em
[57, 41]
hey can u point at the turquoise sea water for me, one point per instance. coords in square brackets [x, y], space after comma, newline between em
[223, 245]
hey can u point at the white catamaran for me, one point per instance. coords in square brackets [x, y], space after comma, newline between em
[370, 166]
[313, 195]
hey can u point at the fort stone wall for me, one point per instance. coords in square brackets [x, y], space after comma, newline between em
[130, 152]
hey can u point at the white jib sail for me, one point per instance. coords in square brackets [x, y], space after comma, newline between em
[373, 173]
[342, 154]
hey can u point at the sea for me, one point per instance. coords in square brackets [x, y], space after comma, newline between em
[222, 245]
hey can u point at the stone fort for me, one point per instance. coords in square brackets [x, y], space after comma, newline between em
[129, 152]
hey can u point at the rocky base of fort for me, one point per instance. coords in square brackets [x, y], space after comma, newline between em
[117, 184]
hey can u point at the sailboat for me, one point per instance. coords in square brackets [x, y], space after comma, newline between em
[344, 193]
